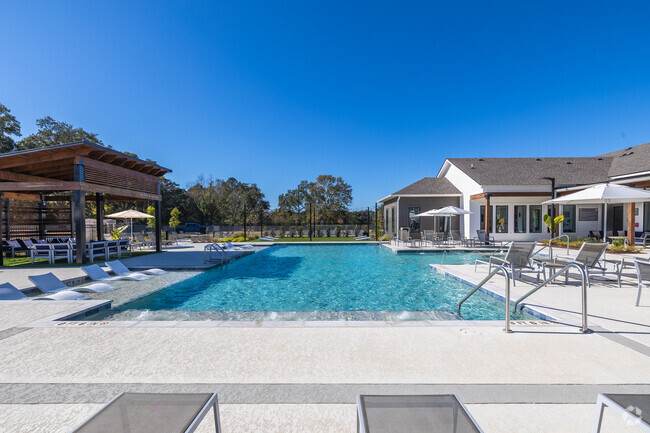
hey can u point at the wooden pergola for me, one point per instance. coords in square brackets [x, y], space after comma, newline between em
[73, 173]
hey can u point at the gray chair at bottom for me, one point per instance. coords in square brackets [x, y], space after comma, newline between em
[413, 414]
[643, 274]
[634, 410]
[153, 413]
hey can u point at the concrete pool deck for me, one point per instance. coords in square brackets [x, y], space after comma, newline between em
[541, 378]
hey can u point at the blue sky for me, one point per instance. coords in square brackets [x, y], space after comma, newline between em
[378, 93]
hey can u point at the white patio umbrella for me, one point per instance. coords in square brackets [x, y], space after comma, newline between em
[131, 213]
[448, 211]
[607, 193]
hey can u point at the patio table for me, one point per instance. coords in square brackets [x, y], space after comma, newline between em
[634, 408]
[132, 412]
[413, 414]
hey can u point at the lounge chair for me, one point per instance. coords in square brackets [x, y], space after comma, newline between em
[589, 257]
[96, 273]
[643, 274]
[632, 410]
[142, 243]
[231, 246]
[154, 413]
[120, 269]
[483, 238]
[49, 283]
[414, 413]
[13, 247]
[323, 233]
[41, 251]
[517, 259]
[10, 293]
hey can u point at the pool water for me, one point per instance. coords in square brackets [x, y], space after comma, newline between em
[319, 282]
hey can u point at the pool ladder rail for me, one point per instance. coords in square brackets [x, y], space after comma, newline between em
[501, 269]
[209, 249]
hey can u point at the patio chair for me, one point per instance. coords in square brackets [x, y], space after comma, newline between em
[456, 238]
[643, 275]
[517, 259]
[120, 269]
[96, 273]
[633, 409]
[323, 233]
[96, 250]
[64, 250]
[589, 257]
[153, 413]
[414, 414]
[642, 240]
[123, 247]
[8, 292]
[231, 246]
[40, 251]
[483, 238]
[142, 242]
[49, 283]
[13, 247]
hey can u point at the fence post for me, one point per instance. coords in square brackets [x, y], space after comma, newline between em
[244, 223]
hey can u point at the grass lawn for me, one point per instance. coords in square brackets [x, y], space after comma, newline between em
[25, 261]
[313, 240]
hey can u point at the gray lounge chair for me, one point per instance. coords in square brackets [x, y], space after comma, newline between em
[153, 413]
[483, 238]
[517, 259]
[633, 409]
[590, 258]
[48, 283]
[120, 269]
[643, 274]
[10, 293]
[414, 414]
[142, 243]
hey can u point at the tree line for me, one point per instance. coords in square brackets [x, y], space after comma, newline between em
[208, 200]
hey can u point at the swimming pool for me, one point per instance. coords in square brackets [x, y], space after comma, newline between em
[318, 282]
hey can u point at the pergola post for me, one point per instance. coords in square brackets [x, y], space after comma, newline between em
[41, 217]
[631, 223]
[6, 219]
[99, 207]
[158, 227]
[78, 207]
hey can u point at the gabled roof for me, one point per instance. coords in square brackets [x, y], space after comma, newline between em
[429, 185]
[630, 160]
[531, 171]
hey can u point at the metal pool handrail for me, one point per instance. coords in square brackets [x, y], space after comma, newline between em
[498, 268]
[207, 250]
[583, 278]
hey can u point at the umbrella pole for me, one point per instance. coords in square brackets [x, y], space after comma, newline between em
[131, 229]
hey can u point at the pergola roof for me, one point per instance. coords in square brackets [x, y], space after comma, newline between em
[103, 170]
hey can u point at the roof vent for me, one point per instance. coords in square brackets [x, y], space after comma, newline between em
[600, 159]
[481, 159]
[472, 165]
[538, 159]
[569, 162]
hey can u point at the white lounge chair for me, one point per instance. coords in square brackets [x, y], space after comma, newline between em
[119, 269]
[643, 274]
[96, 273]
[10, 293]
[231, 246]
[49, 283]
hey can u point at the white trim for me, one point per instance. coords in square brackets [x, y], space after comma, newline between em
[388, 197]
[640, 173]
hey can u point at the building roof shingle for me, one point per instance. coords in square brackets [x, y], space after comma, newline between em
[630, 160]
[429, 185]
[567, 171]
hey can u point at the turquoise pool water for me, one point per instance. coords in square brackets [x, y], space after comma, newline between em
[319, 282]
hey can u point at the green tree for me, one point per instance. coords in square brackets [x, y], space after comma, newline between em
[50, 133]
[151, 222]
[175, 219]
[9, 128]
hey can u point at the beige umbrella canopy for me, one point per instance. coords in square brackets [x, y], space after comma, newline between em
[130, 213]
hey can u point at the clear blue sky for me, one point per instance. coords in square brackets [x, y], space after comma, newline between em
[376, 92]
